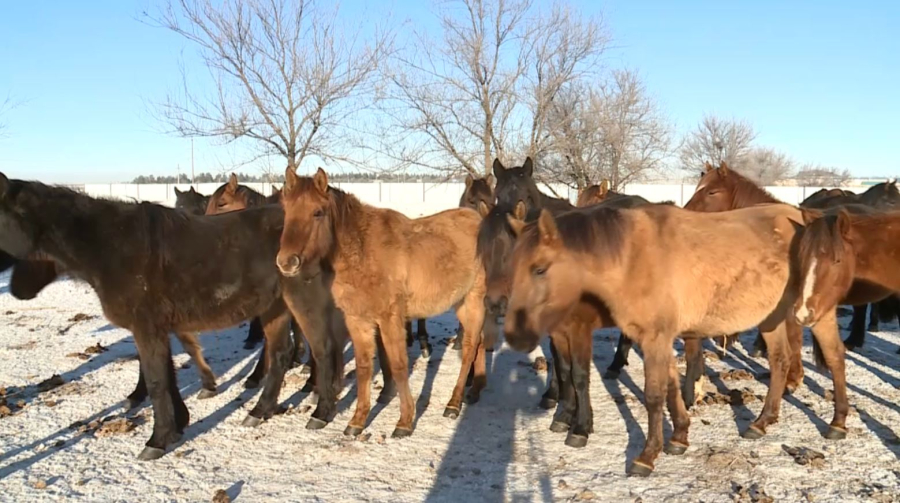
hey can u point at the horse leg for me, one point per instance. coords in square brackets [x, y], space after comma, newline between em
[279, 351]
[580, 352]
[422, 330]
[562, 359]
[779, 365]
[681, 421]
[829, 340]
[362, 333]
[693, 356]
[255, 334]
[139, 394]
[170, 415]
[551, 396]
[193, 348]
[657, 362]
[460, 335]
[620, 359]
[389, 391]
[398, 360]
[259, 371]
[410, 337]
[759, 346]
[874, 316]
[299, 345]
[471, 314]
[795, 342]
[857, 335]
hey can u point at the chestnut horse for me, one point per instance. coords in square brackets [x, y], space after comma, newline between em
[722, 189]
[158, 270]
[661, 273]
[191, 201]
[387, 268]
[840, 252]
[595, 194]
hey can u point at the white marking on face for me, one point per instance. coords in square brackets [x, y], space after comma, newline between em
[808, 287]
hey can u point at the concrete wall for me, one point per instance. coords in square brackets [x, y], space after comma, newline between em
[419, 199]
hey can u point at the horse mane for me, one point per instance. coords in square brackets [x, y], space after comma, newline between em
[822, 235]
[746, 192]
[600, 231]
[491, 227]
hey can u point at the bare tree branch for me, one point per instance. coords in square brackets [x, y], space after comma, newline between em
[716, 140]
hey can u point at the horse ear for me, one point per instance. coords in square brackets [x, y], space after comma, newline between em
[290, 180]
[275, 190]
[489, 180]
[843, 224]
[191, 190]
[723, 169]
[528, 166]
[520, 210]
[178, 192]
[515, 224]
[604, 187]
[483, 209]
[499, 169]
[547, 228]
[809, 215]
[708, 167]
[321, 181]
[4, 185]
[469, 181]
[232, 183]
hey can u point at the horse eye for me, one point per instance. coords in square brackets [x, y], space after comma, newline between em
[539, 271]
[712, 192]
[319, 213]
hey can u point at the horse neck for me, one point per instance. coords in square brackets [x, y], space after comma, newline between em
[351, 224]
[747, 193]
[554, 204]
[874, 248]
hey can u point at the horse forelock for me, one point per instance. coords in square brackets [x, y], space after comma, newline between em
[822, 238]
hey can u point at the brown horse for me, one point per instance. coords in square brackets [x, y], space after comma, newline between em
[233, 196]
[722, 189]
[191, 201]
[826, 198]
[158, 270]
[595, 194]
[418, 267]
[30, 276]
[660, 271]
[846, 256]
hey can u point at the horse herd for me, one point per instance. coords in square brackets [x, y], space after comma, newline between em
[314, 260]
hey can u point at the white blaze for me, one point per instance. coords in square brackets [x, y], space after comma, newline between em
[808, 287]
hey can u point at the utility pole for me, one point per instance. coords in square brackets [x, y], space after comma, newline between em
[193, 178]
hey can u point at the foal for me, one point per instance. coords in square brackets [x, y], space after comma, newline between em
[387, 268]
[158, 270]
[658, 270]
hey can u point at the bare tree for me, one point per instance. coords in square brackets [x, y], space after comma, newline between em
[765, 166]
[287, 76]
[5, 107]
[451, 99]
[716, 140]
[816, 175]
[615, 132]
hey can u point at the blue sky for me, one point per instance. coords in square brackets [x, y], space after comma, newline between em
[818, 80]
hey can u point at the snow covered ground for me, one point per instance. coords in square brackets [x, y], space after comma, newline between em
[74, 441]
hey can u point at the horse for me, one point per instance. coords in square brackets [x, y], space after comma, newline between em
[595, 194]
[517, 184]
[722, 189]
[662, 272]
[418, 267]
[843, 256]
[32, 275]
[233, 196]
[191, 201]
[158, 270]
[826, 198]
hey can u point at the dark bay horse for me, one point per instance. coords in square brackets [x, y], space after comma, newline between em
[840, 251]
[722, 189]
[158, 270]
[233, 196]
[191, 201]
[388, 268]
[661, 272]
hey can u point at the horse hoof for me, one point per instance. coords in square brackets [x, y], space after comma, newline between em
[401, 433]
[206, 393]
[151, 453]
[548, 403]
[753, 433]
[315, 423]
[251, 384]
[472, 398]
[835, 433]
[559, 426]
[426, 351]
[675, 448]
[251, 421]
[134, 403]
[352, 431]
[451, 412]
[611, 374]
[576, 441]
[640, 469]
[250, 345]
[385, 398]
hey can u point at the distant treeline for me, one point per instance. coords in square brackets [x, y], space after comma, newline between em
[244, 177]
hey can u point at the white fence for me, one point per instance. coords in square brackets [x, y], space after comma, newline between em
[419, 199]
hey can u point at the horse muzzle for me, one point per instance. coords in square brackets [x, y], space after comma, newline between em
[288, 264]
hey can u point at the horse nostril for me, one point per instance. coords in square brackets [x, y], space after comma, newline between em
[288, 264]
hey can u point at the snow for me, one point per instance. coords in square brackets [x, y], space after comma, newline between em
[498, 450]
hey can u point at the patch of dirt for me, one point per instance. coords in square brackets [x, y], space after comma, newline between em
[96, 349]
[118, 426]
[805, 456]
[734, 397]
[726, 460]
[540, 364]
[753, 493]
[53, 382]
[221, 497]
[737, 375]
[24, 345]
[81, 317]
